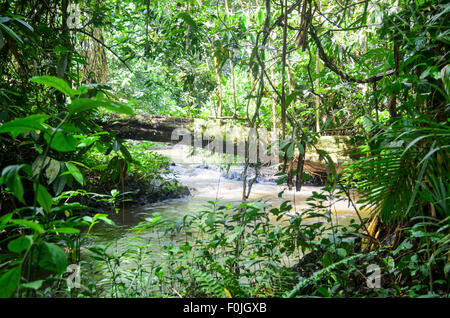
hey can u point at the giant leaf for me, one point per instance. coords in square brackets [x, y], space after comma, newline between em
[20, 125]
[84, 104]
[20, 244]
[44, 198]
[9, 282]
[53, 258]
[11, 33]
[63, 142]
[5, 219]
[55, 82]
[29, 224]
[33, 285]
[75, 172]
[65, 230]
[59, 184]
[29, 27]
[52, 170]
[39, 163]
[11, 179]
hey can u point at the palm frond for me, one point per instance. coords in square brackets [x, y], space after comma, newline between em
[405, 168]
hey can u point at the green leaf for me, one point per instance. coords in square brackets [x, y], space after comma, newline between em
[9, 282]
[211, 219]
[291, 97]
[33, 285]
[84, 104]
[323, 291]
[243, 22]
[5, 219]
[94, 220]
[75, 172]
[300, 147]
[445, 76]
[104, 218]
[284, 144]
[306, 177]
[63, 142]
[29, 27]
[39, 163]
[257, 205]
[11, 179]
[53, 258]
[341, 252]
[188, 19]
[116, 107]
[20, 125]
[327, 260]
[55, 82]
[59, 184]
[446, 268]
[290, 151]
[29, 224]
[65, 230]
[368, 123]
[20, 244]
[261, 16]
[52, 170]
[11, 33]
[126, 153]
[44, 198]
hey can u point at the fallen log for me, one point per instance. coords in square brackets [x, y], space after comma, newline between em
[162, 128]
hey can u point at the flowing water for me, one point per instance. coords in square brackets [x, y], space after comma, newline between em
[207, 182]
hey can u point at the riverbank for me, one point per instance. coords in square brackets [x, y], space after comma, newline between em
[144, 179]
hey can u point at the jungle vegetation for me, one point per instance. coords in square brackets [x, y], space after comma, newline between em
[377, 71]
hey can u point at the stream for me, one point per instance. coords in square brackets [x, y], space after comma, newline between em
[202, 175]
[206, 182]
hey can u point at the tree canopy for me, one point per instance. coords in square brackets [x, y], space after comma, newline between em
[375, 71]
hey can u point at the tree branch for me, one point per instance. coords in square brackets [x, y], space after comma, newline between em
[330, 64]
[107, 47]
[280, 19]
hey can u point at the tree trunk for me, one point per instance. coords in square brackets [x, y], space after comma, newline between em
[219, 87]
[317, 98]
[283, 70]
[230, 56]
[64, 60]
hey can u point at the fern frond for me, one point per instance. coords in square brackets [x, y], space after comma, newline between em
[209, 284]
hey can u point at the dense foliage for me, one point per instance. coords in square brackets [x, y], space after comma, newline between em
[375, 70]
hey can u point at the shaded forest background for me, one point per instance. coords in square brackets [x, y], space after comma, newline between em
[374, 70]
